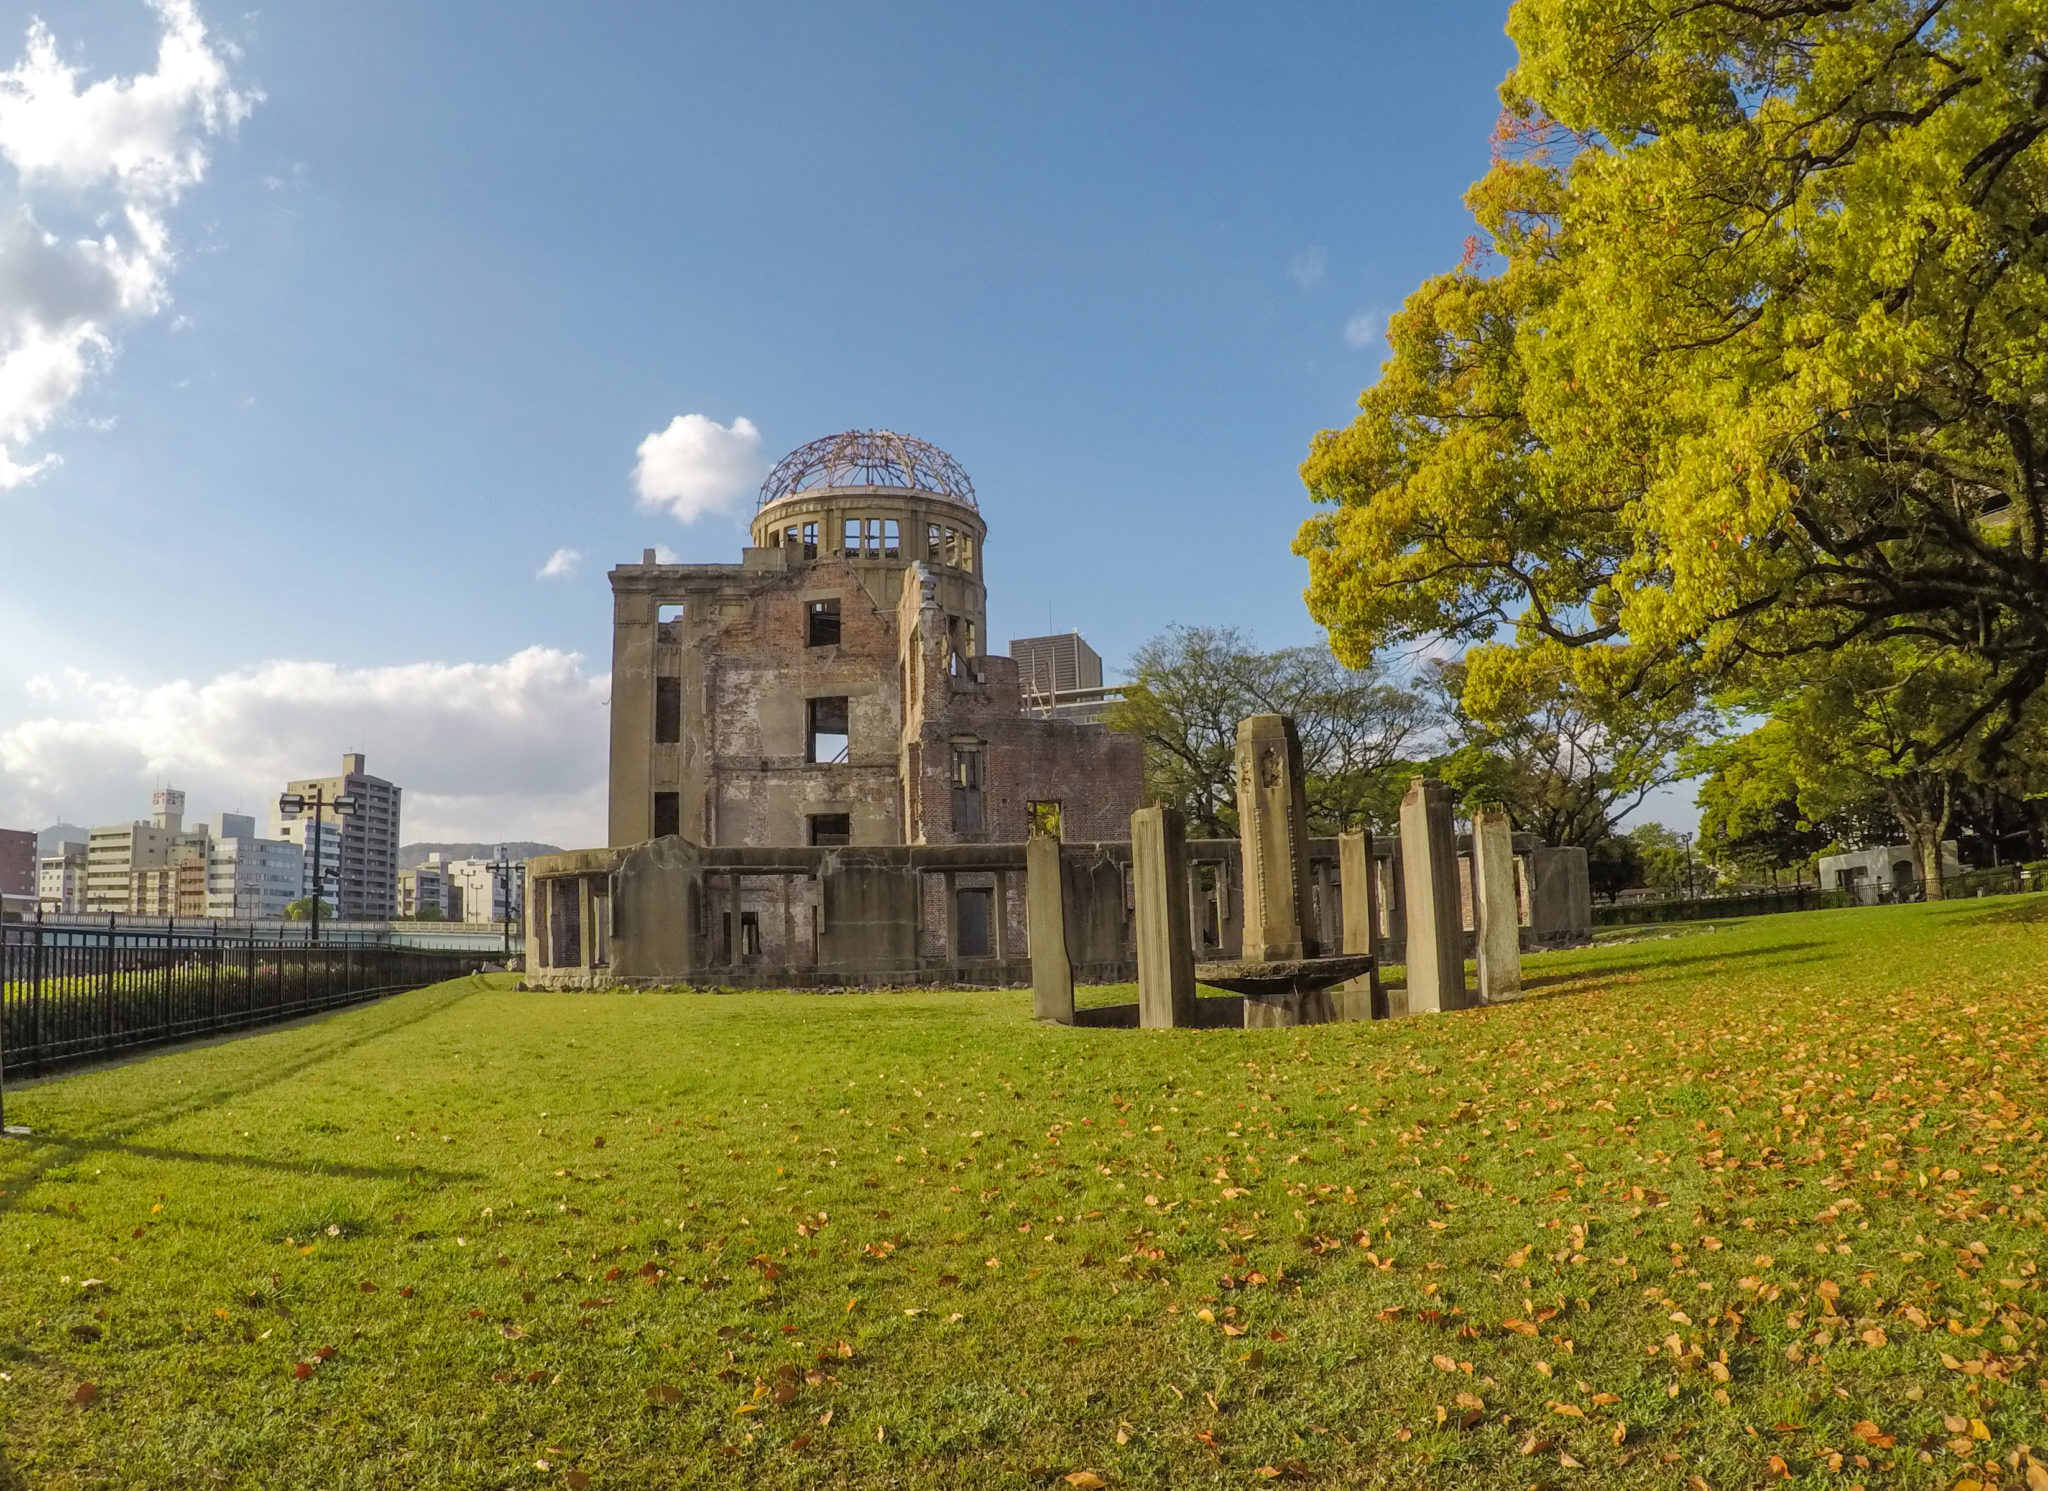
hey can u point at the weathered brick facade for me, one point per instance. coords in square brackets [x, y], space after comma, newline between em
[835, 682]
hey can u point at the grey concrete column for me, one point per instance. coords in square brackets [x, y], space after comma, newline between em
[1358, 883]
[999, 934]
[1166, 957]
[1045, 925]
[1272, 818]
[1429, 874]
[1497, 909]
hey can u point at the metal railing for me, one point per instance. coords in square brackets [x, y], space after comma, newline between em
[75, 992]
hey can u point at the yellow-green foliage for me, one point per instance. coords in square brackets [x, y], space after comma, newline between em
[1765, 343]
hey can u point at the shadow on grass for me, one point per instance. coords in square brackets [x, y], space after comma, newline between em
[256, 1162]
[2027, 913]
[1222, 1012]
[53, 1150]
[1775, 951]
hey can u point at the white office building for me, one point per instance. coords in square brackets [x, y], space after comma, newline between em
[60, 881]
[476, 893]
[251, 879]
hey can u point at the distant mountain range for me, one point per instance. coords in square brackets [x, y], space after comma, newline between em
[411, 856]
[59, 833]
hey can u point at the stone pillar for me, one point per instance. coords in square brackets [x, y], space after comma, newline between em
[1358, 883]
[1045, 925]
[1497, 909]
[1166, 957]
[1272, 831]
[1429, 874]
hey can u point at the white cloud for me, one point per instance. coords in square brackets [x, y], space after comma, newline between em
[1362, 330]
[663, 554]
[512, 749]
[561, 564]
[1307, 268]
[112, 157]
[697, 466]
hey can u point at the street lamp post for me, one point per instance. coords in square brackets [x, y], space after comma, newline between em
[291, 805]
[1686, 841]
[505, 865]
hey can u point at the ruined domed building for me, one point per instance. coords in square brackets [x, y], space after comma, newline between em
[834, 687]
[820, 776]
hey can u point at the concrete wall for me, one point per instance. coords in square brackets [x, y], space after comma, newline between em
[671, 912]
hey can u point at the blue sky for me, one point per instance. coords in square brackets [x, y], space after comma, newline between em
[451, 265]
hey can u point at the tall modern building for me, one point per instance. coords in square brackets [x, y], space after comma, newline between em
[367, 886]
[17, 862]
[835, 686]
[248, 878]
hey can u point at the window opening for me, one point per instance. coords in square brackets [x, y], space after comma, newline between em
[826, 740]
[668, 710]
[952, 547]
[931, 541]
[1044, 818]
[967, 802]
[852, 544]
[891, 547]
[974, 919]
[750, 934]
[810, 540]
[668, 613]
[967, 552]
[668, 814]
[565, 923]
[828, 829]
[823, 629]
[972, 643]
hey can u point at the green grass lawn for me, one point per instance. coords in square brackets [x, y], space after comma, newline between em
[1755, 1201]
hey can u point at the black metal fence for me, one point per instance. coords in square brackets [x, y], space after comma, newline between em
[1963, 885]
[75, 992]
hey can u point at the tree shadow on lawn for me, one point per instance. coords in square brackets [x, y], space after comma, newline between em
[1777, 951]
[2027, 913]
[57, 1149]
[311, 1167]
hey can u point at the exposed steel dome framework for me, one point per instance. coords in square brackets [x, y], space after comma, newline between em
[869, 458]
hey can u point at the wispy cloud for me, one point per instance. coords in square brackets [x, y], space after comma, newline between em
[111, 157]
[1308, 267]
[560, 565]
[697, 466]
[1362, 330]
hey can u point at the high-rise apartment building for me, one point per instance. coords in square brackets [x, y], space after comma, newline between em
[367, 886]
[17, 862]
[423, 890]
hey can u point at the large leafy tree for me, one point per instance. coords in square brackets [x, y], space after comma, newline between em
[1567, 759]
[1875, 721]
[1191, 685]
[1757, 371]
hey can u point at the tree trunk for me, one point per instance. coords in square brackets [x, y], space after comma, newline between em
[1927, 857]
[1923, 806]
